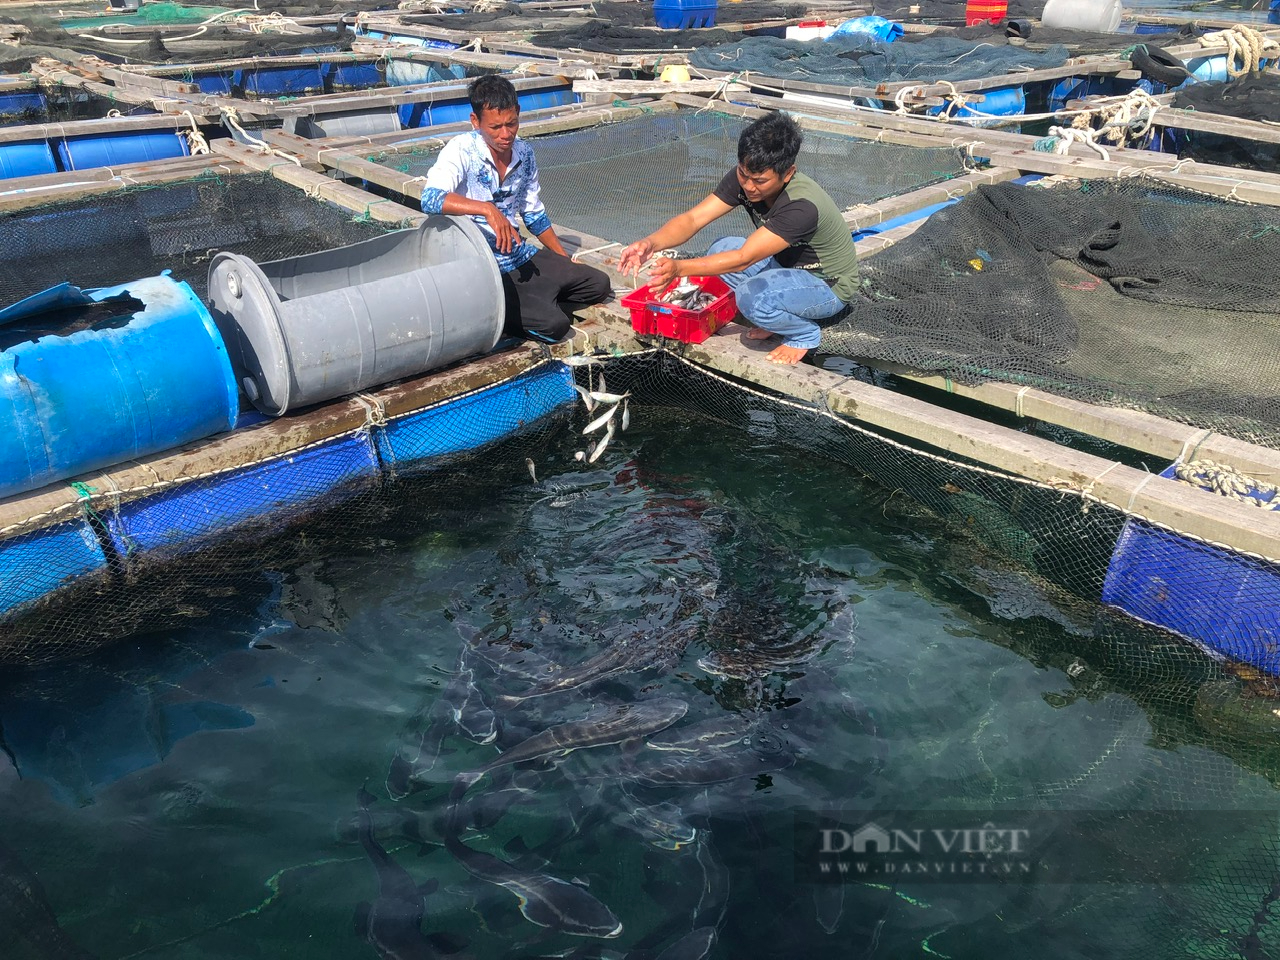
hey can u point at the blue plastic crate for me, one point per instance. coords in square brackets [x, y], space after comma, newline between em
[684, 14]
[1227, 602]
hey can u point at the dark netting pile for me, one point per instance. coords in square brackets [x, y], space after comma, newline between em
[498, 18]
[1255, 96]
[601, 37]
[1117, 292]
[139, 231]
[859, 61]
[185, 43]
[621, 181]
[1037, 38]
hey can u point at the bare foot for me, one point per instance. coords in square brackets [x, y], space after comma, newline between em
[758, 333]
[785, 354]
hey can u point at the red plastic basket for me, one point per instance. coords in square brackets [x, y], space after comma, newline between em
[650, 316]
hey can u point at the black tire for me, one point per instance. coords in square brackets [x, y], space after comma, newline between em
[1159, 65]
[1019, 28]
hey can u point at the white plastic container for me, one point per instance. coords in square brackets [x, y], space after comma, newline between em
[811, 30]
[1098, 16]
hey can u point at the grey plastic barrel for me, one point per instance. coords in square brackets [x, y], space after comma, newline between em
[345, 123]
[308, 329]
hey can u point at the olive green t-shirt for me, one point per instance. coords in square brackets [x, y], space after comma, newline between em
[809, 220]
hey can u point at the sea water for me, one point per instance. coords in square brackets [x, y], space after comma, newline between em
[195, 793]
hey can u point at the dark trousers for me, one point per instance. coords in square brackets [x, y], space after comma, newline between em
[542, 292]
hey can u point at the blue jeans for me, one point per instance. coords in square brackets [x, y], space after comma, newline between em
[781, 300]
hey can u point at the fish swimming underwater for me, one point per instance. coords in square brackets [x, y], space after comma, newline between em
[393, 922]
[544, 900]
[624, 722]
[25, 911]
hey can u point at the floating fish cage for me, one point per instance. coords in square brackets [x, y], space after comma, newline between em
[45, 105]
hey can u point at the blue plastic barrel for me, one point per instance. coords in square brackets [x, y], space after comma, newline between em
[109, 150]
[1224, 601]
[684, 14]
[17, 104]
[26, 159]
[1000, 102]
[352, 76]
[281, 81]
[146, 381]
[456, 109]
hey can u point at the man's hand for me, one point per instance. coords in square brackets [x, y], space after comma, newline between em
[506, 236]
[663, 271]
[634, 257]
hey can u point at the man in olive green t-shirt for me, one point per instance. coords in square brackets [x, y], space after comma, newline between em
[798, 267]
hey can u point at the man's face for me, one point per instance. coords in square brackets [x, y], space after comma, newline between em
[497, 127]
[762, 187]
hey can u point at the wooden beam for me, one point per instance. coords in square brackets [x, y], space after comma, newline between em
[870, 214]
[23, 192]
[1134, 429]
[533, 123]
[656, 88]
[92, 128]
[320, 186]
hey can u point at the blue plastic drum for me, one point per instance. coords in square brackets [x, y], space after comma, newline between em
[130, 382]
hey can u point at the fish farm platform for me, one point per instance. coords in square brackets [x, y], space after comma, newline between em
[309, 144]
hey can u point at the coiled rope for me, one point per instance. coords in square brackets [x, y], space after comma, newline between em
[1246, 48]
[1227, 481]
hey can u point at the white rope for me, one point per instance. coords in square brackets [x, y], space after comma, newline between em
[603, 246]
[1226, 481]
[375, 412]
[201, 29]
[1017, 402]
[1137, 490]
[900, 98]
[956, 100]
[1063, 137]
[232, 119]
[268, 22]
[1246, 48]
[196, 141]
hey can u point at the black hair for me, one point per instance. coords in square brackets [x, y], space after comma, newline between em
[770, 143]
[492, 92]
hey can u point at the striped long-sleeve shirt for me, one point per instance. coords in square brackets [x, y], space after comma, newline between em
[465, 167]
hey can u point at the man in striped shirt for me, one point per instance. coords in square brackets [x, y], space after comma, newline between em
[490, 175]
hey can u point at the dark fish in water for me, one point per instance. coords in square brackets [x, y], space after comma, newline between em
[410, 766]
[663, 825]
[694, 945]
[641, 650]
[623, 722]
[25, 912]
[759, 753]
[705, 735]
[399, 822]
[504, 654]
[544, 900]
[469, 711]
[713, 899]
[460, 707]
[828, 903]
[393, 922]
